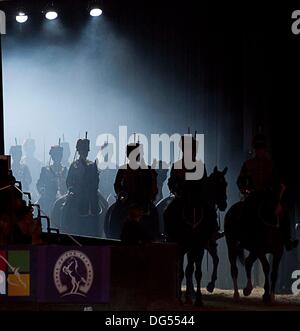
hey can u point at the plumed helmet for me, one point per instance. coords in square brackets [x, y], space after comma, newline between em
[55, 150]
[83, 144]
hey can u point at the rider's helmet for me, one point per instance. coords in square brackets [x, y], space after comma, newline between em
[83, 145]
[56, 153]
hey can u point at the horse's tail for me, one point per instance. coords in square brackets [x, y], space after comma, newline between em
[241, 254]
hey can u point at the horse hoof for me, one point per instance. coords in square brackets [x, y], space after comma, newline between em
[236, 296]
[210, 287]
[247, 291]
[272, 297]
[266, 298]
[180, 302]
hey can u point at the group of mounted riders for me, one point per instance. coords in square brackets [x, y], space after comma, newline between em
[189, 216]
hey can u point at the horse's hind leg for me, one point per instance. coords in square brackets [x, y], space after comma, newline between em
[189, 272]
[274, 273]
[248, 265]
[232, 255]
[266, 268]
[198, 276]
[214, 254]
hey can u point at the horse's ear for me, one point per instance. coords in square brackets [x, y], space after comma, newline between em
[215, 169]
[225, 171]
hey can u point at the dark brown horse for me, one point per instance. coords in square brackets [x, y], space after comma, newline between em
[191, 227]
[256, 232]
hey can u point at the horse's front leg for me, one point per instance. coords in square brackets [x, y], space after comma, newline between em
[198, 275]
[266, 268]
[180, 273]
[189, 272]
[233, 255]
[212, 250]
[274, 273]
[248, 265]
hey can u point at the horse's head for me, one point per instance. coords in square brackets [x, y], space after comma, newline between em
[219, 186]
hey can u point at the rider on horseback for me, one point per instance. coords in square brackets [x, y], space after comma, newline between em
[52, 181]
[189, 192]
[20, 171]
[263, 190]
[136, 187]
[83, 180]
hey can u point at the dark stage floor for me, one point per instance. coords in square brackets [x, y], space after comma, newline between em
[221, 300]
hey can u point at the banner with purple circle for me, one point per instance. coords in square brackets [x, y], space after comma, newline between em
[73, 274]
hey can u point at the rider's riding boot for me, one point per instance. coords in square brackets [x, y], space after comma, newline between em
[290, 244]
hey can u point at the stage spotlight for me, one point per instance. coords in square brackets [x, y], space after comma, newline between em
[51, 14]
[96, 11]
[21, 17]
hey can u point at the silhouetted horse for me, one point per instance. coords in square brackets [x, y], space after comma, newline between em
[211, 247]
[192, 228]
[258, 232]
[67, 218]
[118, 213]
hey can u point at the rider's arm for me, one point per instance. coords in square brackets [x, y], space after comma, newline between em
[27, 175]
[172, 181]
[70, 178]
[95, 181]
[242, 181]
[40, 185]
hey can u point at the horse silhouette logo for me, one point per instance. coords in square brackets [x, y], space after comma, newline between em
[73, 274]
